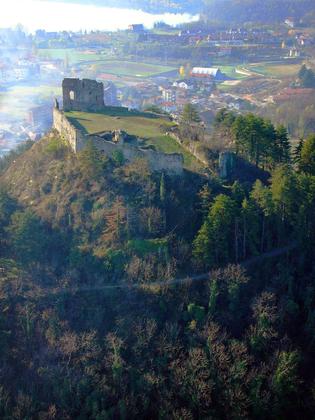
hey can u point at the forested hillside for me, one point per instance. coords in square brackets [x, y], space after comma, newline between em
[267, 11]
[103, 311]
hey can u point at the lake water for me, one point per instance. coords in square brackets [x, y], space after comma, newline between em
[35, 14]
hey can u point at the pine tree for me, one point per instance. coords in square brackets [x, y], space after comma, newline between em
[162, 189]
[214, 243]
[205, 200]
[282, 146]
[307, 161]
[302, 72]
[297, 152]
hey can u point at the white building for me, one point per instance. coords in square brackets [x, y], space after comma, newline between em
[210, 72]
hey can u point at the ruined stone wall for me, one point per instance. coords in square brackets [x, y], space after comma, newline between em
[64, 127]
[192, 148]
[82, 95]
[170, 163]
[227, 163]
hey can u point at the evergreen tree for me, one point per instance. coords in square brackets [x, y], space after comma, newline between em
[205, 200]
[250, 225]
[214, 243]
[262, 197]
[298, 151]
[254, 138]
[302, 71]
[162, 189]
[307, 161]
[190, 114]
[282, 145]
[308, 79]
[284, 193]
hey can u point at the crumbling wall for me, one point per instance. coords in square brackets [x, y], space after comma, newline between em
[161, 162]
[82, 95]
[64, 127]
[170, 163]
[227, 161]
[193, 148]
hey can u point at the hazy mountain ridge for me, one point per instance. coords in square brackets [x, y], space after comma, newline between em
[267, 11]
[234, 11]
[152, 6]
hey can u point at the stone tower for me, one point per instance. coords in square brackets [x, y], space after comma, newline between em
[82, 95]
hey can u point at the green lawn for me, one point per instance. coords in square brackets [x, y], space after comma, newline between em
[135, 123]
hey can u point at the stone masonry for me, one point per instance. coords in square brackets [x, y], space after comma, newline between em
[82, 95]
[109, 142]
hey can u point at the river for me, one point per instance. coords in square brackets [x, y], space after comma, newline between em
[41, 14]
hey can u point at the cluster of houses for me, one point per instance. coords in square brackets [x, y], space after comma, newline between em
[169, 94]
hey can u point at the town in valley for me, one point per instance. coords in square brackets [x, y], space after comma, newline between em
[245, 68]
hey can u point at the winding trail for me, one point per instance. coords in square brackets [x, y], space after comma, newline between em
[179, 281]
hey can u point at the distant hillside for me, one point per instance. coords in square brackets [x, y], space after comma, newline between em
[266, 11]
[232, 11]
[152, 6]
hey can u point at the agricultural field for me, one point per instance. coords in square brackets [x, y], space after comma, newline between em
[276, 70]
[130, 68]
[102, 63]
[230, 71]
[73, 55]
[147, 126]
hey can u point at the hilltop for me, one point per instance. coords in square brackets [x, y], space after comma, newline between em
[79, 192]
[104, 313]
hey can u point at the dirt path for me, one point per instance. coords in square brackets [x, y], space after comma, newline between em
[180, 281]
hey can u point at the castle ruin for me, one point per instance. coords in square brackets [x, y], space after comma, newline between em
[82, 95]
[88, 96]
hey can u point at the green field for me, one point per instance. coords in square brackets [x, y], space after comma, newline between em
[130, 68]
[103, 64]
[278, 70]
[135, 123]
[146, 126]
[74, 55]
[230, 72]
